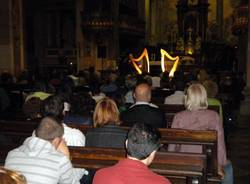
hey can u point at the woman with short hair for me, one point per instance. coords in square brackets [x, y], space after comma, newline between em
[106, 131]
[198, 117]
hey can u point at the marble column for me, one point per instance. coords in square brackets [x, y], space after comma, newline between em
[219, 16]
[147, 20]
[6, 63]
[79, 35]
[116, 30]
[245, 105]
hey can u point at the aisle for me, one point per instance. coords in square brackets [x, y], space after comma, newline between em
[239, 151]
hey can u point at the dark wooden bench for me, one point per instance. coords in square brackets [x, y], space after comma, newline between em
[206, 138]
[171, 110]
[181, 167]
[18, 131]
[178, 167]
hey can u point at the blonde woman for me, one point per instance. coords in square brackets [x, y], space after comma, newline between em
[11, 177]
[198, 117]
[106, 131]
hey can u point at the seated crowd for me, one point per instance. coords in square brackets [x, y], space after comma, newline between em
[44, 156]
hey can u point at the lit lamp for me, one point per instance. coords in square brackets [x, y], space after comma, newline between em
[189, 49]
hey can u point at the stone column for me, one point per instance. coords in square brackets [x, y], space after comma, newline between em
[219, 17]
[153, 22]
[116, 30]
[147, 20]
[79, 34]
[16, 35]
[6, 63]
[244, 109]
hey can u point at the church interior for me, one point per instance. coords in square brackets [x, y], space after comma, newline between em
[116, 40]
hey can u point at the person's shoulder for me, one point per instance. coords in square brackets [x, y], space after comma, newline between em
[159, 179]
[74, 131]
[73, 136]
[211, 113]
[105, 175]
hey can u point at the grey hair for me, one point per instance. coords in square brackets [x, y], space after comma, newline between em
[196, 97]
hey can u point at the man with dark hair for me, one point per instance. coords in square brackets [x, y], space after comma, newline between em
[81, 109]
[143, 111]
[142, 144]
[53, 106]
[44, 158]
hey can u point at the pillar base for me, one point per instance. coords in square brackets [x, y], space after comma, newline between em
[245, 105]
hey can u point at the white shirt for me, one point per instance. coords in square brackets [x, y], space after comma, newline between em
[176, 98]
[129, 97]
[75, 137]
[156, 82]
[144, 103]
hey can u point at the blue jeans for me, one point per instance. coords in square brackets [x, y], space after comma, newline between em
[228, 178]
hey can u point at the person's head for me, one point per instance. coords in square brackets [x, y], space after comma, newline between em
[142, 93]
[11, 177]
[53, 106]
[106, 111]
[196, 97]
[49, 128]
[202, 75]
[211, 88]
[82, 104]
[142, 143]
[179, 86]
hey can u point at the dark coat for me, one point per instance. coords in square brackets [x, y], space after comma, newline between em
[144, 113]
[109, 136]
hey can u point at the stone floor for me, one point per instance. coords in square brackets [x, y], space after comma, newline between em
[239, 150]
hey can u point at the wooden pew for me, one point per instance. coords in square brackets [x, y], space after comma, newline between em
[178, 167]
[18, 131]
[175, 166]
[206, 138]
[171, 110]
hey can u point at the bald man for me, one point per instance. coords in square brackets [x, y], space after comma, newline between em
[143, 111]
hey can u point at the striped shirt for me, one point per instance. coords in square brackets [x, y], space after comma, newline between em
[40, 163]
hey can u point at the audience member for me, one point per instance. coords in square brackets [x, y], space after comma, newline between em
[11, 177]
[81, 109]
[212, 91]
[165, 82]
[4, 100]
[156, 81]
[107, 132]
[178, 96]
[110, 85]
[130, 83]
[44, 158]
[53, 106]
[142, 145]
[143, 111]
[198, 117]
[41, 90]
[97, 95]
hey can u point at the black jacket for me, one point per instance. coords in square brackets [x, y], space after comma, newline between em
[143, 113]
[109, 136]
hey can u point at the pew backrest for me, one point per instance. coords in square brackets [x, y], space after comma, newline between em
[185, 165]
[171, 110]
[18, 131]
